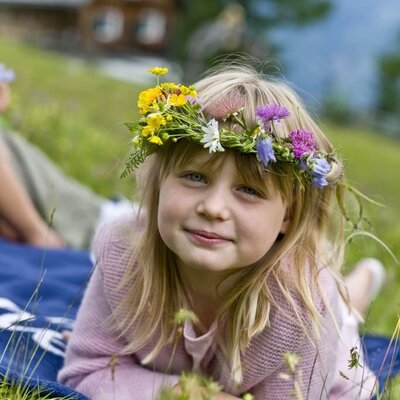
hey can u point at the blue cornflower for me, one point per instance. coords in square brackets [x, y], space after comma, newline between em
[320, 167]
[265, 151]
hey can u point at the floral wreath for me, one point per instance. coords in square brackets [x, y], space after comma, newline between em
[170, 112]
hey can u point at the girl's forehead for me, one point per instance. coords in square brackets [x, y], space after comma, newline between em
[204, 160]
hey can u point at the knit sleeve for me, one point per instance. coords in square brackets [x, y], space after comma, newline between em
[93, 364]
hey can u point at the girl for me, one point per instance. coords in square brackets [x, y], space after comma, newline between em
[237, 240]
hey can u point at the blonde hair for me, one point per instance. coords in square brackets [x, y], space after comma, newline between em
[154, 291]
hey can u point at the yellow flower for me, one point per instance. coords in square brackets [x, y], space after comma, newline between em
[156, 140]
[184, 315]
[177, 100]
[147, 130]
[136, 140]
[169, 86]
[155, 120]
[291, 360]
[190, 91]
[148, 99]
[158, 70]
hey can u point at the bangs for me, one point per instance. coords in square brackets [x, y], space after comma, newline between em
[276, 177]
[251, 170]
[176, 155]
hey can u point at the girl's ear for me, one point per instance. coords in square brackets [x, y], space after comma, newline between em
[286, 222]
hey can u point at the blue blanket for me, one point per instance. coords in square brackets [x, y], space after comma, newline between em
[40, 291]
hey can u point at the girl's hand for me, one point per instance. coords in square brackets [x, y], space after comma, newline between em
[66, 335]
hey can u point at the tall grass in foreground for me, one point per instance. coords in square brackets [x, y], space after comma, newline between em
[195, 387]
[11, 391]
[22, 357]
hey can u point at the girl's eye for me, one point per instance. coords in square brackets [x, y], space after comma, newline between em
[250, 191]
[194, 177]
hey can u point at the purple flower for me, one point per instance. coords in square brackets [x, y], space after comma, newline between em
[302, 141]
[6, 75]
[320, 167]
[271, 112]
[194, 101]
[265, 151]
[191, 99]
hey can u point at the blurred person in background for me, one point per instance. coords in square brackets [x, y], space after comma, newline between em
[39, 204]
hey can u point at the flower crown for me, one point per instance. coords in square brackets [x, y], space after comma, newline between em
[171, 112]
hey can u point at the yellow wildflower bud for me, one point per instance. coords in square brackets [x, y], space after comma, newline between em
[155, 120]
[165, 136]
[190, 91]
[184, 89]
[158, 70]
[177, 100]
[184, 315]
[136, 140]
[156, 140]
[291, 360]
[147, 130]
[169, 86]
[169, 118]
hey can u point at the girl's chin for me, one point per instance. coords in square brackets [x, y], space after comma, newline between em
[211, 266]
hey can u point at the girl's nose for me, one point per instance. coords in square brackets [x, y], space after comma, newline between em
[214, 204]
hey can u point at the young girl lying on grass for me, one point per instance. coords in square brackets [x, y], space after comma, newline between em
[232, 268]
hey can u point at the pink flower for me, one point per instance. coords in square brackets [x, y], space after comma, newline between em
[302, 141]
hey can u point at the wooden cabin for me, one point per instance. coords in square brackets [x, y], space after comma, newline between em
[110, 25]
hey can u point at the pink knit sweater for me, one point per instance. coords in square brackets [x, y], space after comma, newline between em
[92, 368]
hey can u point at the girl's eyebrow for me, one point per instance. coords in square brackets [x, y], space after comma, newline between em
[196, 164]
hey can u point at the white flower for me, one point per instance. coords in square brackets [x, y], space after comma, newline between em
[211, 137]
[260, 126]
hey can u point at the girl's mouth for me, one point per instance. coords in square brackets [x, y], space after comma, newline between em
[206, 237]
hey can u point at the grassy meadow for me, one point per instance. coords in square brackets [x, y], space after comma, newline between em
[75, 114]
